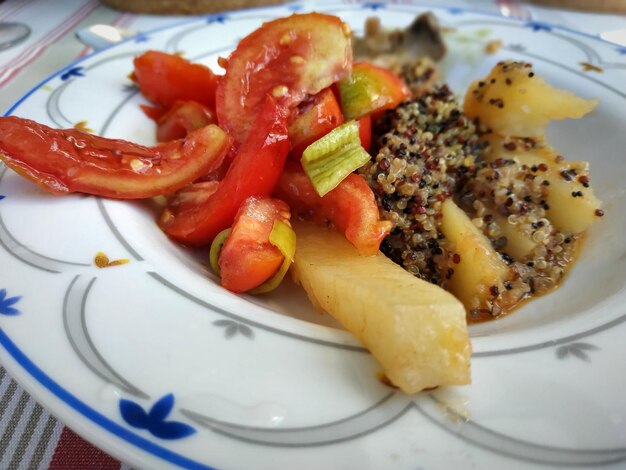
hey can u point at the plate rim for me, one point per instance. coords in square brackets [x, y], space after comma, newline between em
[57, 393]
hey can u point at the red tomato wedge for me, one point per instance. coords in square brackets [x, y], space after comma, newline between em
[288, 58]
[153, 112]
[182, 118]
[370, 89]
[313, 120]
[167, 78]
[351, 207]
[69, 160]
[365, 132]
[254, 171]
[248, 258]
[197, 193]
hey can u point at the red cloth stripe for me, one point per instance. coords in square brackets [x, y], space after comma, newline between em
[74, 453]
[35, 50]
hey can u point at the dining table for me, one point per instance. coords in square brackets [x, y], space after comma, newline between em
[31, 437]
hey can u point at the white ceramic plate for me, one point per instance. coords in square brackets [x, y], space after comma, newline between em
[156, 364]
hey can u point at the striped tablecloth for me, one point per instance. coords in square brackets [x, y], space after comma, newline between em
[34, 439]
[30, 438]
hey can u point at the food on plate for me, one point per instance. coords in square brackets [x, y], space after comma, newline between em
[370, 89]
[69, 160]
[416, 330]
[425, 151]
[254, 171]
[167, 78]
[528, 204]
[330, 159]
[393, 48]
[568, 213]
[466, 198]
[513, 101]
[317, 116]
[182, 118]
[312, 120]
[478, 266]
[249, 254]
[410, 53]
[350, 207]
[288, 58]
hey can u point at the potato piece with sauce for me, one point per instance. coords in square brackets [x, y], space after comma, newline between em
[512, 101]
[480, 267]
[415, 329]
[573, 206]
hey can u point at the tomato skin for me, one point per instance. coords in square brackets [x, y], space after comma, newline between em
[365, 132]
[167, 78]
[370, 89]
[69, 160]
[153, 112]
[313, 121]
[290, 58]
[248, 258]
[351, 207]
[182, 118]
[254, 171]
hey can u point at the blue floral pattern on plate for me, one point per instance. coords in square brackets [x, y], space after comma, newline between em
[219, 18]
[154, 420]
[73, 72]
[7, 302]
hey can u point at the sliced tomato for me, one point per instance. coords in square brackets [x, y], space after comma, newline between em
[167, 78]
[313, 120]
[351, 207]
[153, 112]
[197, 192]
[248, 258]
[182, 118]
[69, 160]
[254, 171]
[370, 89]
[365, 132]
[289, 58]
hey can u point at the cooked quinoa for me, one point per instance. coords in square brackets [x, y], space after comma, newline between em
[515, 194]
[420, 76]
[427, 150]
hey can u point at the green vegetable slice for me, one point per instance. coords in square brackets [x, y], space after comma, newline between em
[357, 94]
[330, 159]
[216, 247]
[282, 237]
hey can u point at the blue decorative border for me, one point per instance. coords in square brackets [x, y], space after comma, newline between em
[85, 410]
[91, 414]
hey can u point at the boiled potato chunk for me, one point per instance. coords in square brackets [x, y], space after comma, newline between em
[480, 266]
[568, 213]
[498, 148]
[519, 244]
[415, 329]
[513, 101]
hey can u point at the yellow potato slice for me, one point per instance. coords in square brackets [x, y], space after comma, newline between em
[513, 101]
[480, 266]
[567, 212]
[415, 329]
[519, 244]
